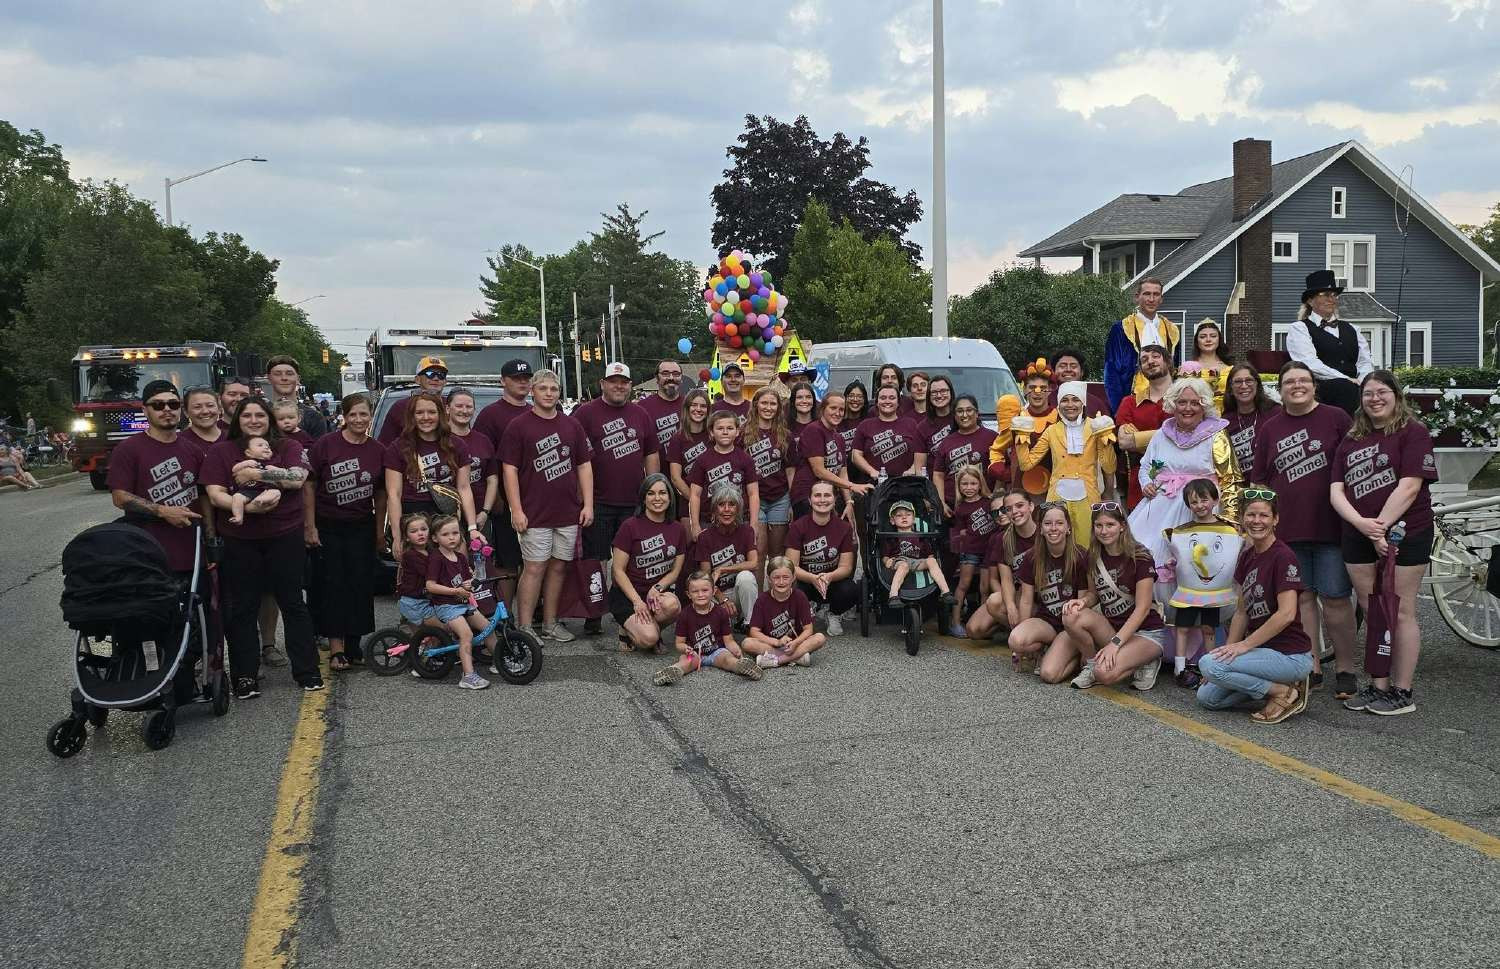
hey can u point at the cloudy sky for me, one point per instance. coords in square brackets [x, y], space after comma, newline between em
[406, 138]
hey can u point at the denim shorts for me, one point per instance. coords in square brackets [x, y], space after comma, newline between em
[777, 512]
[447, 613]
[707, 659]
[1323, 569]
[415, 609]
[971, 558]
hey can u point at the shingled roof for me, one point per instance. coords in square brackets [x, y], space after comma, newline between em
[1130, 217]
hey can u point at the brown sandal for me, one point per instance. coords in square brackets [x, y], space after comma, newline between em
[1279, 708]
[338, 662]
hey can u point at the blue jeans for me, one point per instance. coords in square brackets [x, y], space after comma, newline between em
[1248, 677]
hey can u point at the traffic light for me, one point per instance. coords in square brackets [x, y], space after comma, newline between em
[325, 355]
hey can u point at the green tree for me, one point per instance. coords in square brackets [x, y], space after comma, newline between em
[842, 287]
[1028, 312]
[279, 328]
[1487, 237]
[238, 282]
[777, 167]
[110, 275]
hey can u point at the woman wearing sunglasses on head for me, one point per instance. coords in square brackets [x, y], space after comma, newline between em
[1052, 574]
[1124, 636]
[1267, 659]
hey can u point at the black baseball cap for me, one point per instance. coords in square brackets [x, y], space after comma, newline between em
[516, 368]
[732, 366]
[159, 387]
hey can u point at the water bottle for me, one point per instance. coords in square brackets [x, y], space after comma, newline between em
[1396, 533]
[882, 478]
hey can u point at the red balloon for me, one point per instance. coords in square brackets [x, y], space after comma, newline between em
[703, 374]
[745, 306]
[736, 341]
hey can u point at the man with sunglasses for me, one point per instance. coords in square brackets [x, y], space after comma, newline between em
[432, 376]
[153, 477]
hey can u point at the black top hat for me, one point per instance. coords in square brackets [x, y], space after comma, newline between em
[1321, 282]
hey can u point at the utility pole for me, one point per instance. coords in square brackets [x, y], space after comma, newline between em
[577, 352]
[939, 181]
[614, 325]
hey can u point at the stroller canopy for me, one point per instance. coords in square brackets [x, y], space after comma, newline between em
[114, 572]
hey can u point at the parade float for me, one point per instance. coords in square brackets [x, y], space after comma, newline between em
[747, 324]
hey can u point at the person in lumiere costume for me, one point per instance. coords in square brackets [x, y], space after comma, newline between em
[1082, 454]
[1020, 429]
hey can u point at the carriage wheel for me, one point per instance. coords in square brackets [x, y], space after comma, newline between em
[1458, 579]
[864, 606]
[912, 620]
[159, 729]
[221, 696]
[66, 737]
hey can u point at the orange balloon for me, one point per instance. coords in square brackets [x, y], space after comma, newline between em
[730, 329]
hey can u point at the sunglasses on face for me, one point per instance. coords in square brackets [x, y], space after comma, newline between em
[1265, 494]
[160, 405]
[432, 374]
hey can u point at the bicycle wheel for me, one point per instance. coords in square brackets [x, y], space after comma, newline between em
[518, 656]
[378, 656]
[1458, 576]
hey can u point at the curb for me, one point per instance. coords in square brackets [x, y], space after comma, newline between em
[53, 481]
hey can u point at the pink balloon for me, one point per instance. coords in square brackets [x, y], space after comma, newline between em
[754, 355]
[718, 317]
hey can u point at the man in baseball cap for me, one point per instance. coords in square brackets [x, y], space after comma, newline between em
[732, 382]
[516, 369]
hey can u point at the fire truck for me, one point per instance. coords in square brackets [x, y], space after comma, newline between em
[473, 353]
[107, 384]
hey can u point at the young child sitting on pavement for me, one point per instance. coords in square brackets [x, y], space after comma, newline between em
[704, 637]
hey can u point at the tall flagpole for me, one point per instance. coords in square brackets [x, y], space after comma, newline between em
[939, 181]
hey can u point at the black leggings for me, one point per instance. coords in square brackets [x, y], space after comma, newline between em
[843, 595]
[346, 580]
[253, 568]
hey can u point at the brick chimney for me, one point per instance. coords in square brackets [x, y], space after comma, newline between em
[1250, 327]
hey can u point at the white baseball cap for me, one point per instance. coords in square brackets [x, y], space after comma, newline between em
[616, 369]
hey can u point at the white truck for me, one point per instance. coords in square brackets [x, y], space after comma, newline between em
[473, 353]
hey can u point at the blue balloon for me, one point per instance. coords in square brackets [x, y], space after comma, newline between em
[722, 288]
[684, 346]
[713, 373]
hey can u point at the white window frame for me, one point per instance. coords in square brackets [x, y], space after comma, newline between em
[1378, 338]
[1284, 237]
[1423, 327]
[1338, 205]
[1278, 335]
[1350, 241]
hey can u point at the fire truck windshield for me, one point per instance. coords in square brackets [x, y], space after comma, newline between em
[102, 381]
[461, 360]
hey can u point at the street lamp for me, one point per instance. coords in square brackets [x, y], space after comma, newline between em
[308, 300]
[543, 274]
[178, 181]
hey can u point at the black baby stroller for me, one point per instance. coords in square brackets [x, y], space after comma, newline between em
[918, 593]
[141, 636]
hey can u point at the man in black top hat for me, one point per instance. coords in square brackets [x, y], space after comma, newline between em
[1333, 350]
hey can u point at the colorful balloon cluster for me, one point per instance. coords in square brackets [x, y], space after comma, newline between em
[744, 309]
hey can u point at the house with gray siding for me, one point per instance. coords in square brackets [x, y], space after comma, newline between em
[1238, 249]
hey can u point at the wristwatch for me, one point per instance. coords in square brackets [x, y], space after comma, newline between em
[1114, 640]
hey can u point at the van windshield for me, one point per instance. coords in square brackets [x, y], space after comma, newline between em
[985, 383]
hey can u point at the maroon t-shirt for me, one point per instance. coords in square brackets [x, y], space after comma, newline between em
[412, 580]
[740, 410]
[163, 474]
[197, 443]
[770, 466]
[905, 548]
[1371, 467]
[714, 468]
[431, 461]
[957, 450]
[345, 477]
[776, 619]
[394, 419]
[848, 427]
[651, 549]
[1056, 588]
[971, 528]
[1294, 458]
[450, 572]
[685, 449]
[1262, 576]
[482, 463]
[492, 420]
[889, 445]
[1242, 430]
[1126, 571]
[703, 633]
[817, 439]
[935, 430]
[819, 546]
[621, 439]
[665, 415]
[285, 517]
[719, 546]
[995, 552]
[301, 437]
[546, 454]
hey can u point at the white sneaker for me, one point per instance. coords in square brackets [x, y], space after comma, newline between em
[835, 626]
[804, 660]
[1085, 678]
[766, 661]
[1144, 678]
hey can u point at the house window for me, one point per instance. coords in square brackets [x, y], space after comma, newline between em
[1122, 264]
[1278, 335]
[1378, 339]
[1418, 344]
[1340, 202]
[1352, 259]
[1283, 247]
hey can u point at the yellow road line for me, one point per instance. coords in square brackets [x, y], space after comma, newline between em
[271, 942]
[1456, 831]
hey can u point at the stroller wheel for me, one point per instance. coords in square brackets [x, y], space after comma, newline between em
[519, 657]
[98, 716]
[912, 620]
[864, 605]
[378, 656]
[221, 696]
[66, 737]
[159, 729]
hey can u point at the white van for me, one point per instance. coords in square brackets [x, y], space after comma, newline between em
[974, 366]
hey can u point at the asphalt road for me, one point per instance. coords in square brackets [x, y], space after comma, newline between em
[872, 810]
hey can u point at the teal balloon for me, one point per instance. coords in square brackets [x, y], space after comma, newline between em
[684, 346]
[713, 373]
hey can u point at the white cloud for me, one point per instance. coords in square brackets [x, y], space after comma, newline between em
[1465, 208]
[1193, 84]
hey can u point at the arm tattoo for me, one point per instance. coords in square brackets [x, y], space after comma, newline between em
[283, 475]
[141, 507]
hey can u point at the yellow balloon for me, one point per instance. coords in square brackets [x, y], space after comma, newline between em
[733, 262]
[715, 281]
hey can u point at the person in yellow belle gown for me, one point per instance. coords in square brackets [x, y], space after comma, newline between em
[1082, 453]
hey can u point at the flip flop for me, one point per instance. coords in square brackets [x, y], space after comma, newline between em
[338, 662]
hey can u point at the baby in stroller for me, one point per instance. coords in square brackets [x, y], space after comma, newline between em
[908, 554]
[257, 452]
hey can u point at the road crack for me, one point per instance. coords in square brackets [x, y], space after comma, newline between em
[719, 788]
[31, 578]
